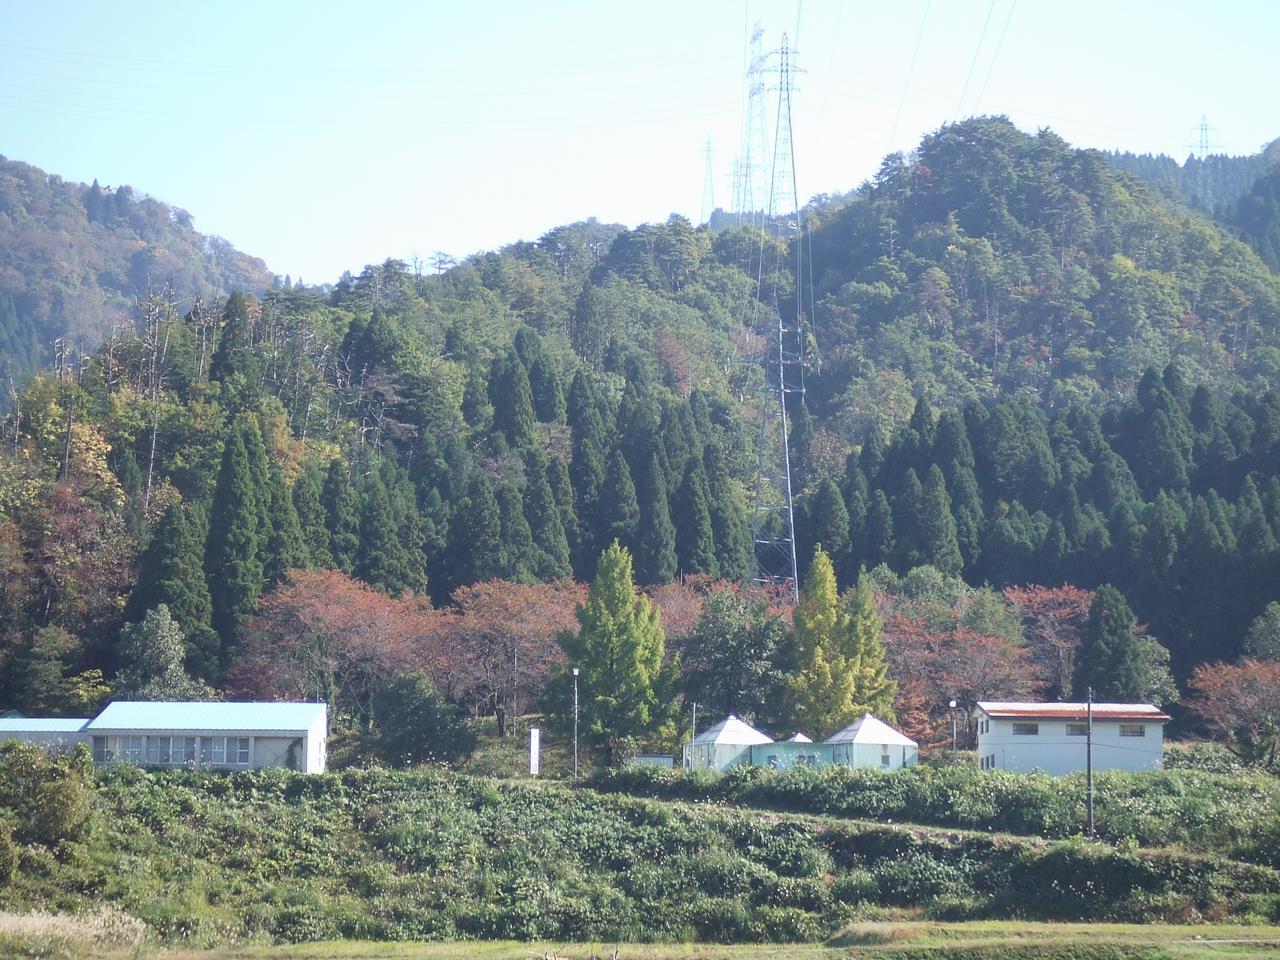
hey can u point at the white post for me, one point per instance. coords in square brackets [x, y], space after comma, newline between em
[534, 745]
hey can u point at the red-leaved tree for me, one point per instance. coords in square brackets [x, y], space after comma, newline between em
[503, 642]
[1053, 621]
[323, 636]
[1241, 705]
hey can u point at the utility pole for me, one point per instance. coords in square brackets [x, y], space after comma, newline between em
[575, 723]
[953, 733]
[1088, 766]
[694, 729]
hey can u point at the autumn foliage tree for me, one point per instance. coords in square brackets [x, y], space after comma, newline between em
[1240, 703]
[323, 636]
[504, 635]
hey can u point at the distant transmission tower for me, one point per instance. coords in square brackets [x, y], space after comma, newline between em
[708, 187]
[779, 334]
[748, 169]
[1200, 151]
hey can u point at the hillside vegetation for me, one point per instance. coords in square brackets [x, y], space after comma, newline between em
[1033, 386]
[271, 856]
[76, 259]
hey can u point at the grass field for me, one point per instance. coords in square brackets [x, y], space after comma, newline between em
[1000, 940]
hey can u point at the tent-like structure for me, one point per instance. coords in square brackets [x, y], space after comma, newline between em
[720, 747]
[798, 738]
[868, 742]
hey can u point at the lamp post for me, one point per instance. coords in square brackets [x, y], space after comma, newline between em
[953, 731]
[575, 723]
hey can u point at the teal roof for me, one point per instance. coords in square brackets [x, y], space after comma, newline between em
[198, 715]
[42, 725]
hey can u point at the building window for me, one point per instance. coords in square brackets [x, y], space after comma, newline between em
[101, 750]
[1026, 729]
[884, 759]
[132, 748]
[188, 752]
[1077, 729]
[1133, 730]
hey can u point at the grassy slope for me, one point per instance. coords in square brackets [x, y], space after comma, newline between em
[211, 859]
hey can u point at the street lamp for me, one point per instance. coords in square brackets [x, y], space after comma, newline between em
[953, 731]
[575, 723]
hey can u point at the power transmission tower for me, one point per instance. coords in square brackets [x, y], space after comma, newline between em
[708, 187]
[748, 168]
[1200, 154]
[778, 331]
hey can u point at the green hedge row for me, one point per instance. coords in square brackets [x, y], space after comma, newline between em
[1237, 814]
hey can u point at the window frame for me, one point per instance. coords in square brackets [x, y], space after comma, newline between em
[1133, 729]
[1025, 729]
[1077, 729]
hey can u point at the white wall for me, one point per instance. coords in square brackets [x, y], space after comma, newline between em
[315, 753]
[872, 755]
[1052, 750]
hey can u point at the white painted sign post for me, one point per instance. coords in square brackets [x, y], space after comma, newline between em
[534, 745]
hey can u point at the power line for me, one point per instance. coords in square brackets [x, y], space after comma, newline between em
[977, 50]
[995, 56]
[915, 53]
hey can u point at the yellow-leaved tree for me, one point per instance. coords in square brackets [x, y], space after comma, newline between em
[840, 659]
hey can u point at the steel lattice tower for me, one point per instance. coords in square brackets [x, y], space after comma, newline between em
[749, 191]
[778, 332]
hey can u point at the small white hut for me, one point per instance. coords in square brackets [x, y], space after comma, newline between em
[868, 742]
[722, 746]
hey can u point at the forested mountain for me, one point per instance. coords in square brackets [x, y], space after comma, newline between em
[1023, 369]
[75, 259]
[1212, 184]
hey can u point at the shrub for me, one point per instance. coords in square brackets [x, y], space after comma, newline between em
[49, 796]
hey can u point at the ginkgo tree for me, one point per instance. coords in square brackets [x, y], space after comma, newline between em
[841, 672]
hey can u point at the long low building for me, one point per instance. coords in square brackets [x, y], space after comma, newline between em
[1053, 737]
[196, 735]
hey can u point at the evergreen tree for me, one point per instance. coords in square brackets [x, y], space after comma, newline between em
[233, 560]
[285, 549]
[587, 477]
[512, 401]
[312, 520]
[619, 513]
[626, 687]
[342, 519]
[475, 536]
[562, 490]
[234, 352]
[908, 510]
[656, 547]
[518, 550]
[939, 546]
[882, 544]
[256, 452]
[1120, 665]
[695, 540]
[730, 523]
[548, 394]
[1263, 639]
[151, 654]
[551, 545]
[827, 526]
[172, 573]
[380, 556]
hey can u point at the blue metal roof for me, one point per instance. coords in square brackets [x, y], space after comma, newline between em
[42, 725]
[197, 715]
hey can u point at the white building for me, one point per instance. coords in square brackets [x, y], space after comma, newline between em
[1052, 736]
[44, 731]
[232, 736]
[868, 742]
[722, 746]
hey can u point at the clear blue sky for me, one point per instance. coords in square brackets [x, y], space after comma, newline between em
[323, 136]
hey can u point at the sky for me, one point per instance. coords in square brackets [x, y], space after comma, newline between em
[322, 136]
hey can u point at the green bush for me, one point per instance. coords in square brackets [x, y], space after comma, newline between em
[8, 853]
[49, 796]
